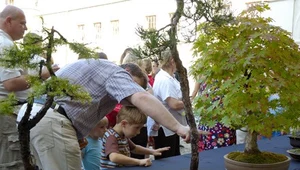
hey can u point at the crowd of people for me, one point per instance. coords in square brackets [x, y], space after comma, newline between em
[134, 105]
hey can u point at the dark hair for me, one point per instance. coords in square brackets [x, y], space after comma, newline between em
[102, 55]
[136, 71]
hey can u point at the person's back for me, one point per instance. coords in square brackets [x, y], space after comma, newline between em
[84, 72]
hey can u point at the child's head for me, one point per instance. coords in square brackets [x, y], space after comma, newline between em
[99, 130]
[132, 120]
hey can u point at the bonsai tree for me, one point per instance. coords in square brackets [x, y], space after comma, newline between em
[246, 61]
[155, 41]
[20, 57]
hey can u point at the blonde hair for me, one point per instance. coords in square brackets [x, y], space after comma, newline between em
[165, 59]
[131, 58]
[103, 121]
[132, 115]
[147, 65]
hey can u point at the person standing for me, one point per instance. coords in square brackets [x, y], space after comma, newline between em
[12, 28]
[167, 90]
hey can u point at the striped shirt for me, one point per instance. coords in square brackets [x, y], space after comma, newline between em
[112, 142]
[107, 84]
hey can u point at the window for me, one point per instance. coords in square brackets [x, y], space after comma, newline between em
[81, 32]
[9, 2]
[115, 27]
[151, 21]
[97, 28]
[250, 3]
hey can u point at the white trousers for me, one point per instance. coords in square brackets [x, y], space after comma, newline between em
[54, 143]
[241, 135]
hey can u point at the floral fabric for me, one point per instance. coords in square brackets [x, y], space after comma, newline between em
[220, 136]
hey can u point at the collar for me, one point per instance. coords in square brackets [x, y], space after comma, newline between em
[5, 34]
[164, 73]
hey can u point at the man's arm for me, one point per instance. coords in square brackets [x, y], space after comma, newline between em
[16, 84]
[174, 103]
[20, 83]
[152, 107]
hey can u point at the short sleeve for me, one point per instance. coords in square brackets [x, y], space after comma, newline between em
[166, 89]
[121, 85]
[111, 145]
[7, 74]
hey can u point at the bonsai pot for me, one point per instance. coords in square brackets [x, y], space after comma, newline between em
[235, 165]
[295, 153]
[295, 141]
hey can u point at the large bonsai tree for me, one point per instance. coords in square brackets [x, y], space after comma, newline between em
[246, 62]
[20, 57]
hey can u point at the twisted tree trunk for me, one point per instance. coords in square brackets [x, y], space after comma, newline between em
[184, 85]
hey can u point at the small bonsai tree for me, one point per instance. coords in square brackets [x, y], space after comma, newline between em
[247, 61]
[20, 57]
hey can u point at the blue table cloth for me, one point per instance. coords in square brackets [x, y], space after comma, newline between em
[213, 159]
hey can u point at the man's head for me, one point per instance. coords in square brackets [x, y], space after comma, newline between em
[13, 22]
[131, 120]
[136, 72]
[102, 55]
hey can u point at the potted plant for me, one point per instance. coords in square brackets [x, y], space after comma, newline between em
[295, 137]
[247, 61]
[295, 153]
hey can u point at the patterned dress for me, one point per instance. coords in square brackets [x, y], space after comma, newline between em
[220, 135]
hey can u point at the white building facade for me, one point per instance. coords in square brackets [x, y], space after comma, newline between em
[111, 25]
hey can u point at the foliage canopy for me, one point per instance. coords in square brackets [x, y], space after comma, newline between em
[245, 62]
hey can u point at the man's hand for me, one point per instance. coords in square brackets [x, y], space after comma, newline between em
[45, 73]
[145, 162]
[184, 132]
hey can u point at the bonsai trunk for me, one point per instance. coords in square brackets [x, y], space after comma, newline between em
[251, 146]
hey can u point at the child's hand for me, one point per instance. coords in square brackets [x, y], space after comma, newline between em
[145, 162]
[82, 143]
[157, 152]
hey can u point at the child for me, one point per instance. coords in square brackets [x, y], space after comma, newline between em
[91, 153]
[117, 144]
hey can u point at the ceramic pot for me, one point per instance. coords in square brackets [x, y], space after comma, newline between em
[294, 153]
[235, 165]
[295, 141]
